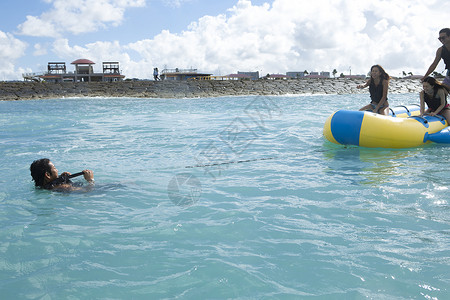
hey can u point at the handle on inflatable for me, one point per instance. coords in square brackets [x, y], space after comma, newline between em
[420, 119]
[441, 118]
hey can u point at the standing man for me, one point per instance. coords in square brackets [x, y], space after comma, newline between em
[442, 53]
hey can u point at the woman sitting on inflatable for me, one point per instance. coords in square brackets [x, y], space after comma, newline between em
[434, 94]
[378, 87]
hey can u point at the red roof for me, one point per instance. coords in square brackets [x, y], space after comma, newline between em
[83, 61]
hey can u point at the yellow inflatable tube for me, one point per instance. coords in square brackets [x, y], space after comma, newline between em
[367, 129]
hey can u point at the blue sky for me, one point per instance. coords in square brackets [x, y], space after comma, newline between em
[222, 37]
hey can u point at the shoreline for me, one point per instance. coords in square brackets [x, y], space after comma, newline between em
[195, 89]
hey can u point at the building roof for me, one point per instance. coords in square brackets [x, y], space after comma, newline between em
[316, 76]
[277, 76]
[238, 76]
[114, 75]
[83, 61]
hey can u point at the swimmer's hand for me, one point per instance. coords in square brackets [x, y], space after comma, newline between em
[88, 175]
[65, 174]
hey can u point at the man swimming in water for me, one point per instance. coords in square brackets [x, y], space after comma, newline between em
[45, 176]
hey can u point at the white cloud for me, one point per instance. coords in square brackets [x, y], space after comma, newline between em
[293, 35]
[11, 49]
[37, 27]
[290, 35]
[39, 50]
[382, 25]
[77, 16]
[175, 3]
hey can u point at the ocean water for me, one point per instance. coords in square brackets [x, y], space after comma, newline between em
[218, 198]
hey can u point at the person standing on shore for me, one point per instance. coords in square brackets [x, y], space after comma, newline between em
[434, 94]
[155, 74]
[442, 53]
[378, 84]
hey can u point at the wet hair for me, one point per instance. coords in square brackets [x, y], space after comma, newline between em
[435, 84]
[38, 169]
[445, 30]
[383, 75]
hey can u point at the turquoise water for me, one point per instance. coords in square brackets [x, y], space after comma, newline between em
[233, 197]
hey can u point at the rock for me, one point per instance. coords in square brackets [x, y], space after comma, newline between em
[194, 89]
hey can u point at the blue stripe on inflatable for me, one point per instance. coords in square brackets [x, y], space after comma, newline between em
[346, 126]
[442, 136]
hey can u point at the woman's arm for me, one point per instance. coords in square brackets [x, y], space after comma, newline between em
[422, 103]
[433, 64]
[361, 86]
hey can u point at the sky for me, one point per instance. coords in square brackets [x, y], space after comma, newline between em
[222, 37]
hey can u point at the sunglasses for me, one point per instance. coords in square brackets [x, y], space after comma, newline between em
[441, 38]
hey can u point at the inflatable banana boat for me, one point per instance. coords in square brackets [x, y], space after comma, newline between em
[404, 128]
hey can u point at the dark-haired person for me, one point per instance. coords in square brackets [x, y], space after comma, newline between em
[443, 53]
[45, 175]
[434, 94]
[378, 84]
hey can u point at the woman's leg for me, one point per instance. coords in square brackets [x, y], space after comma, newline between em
[446, 115]
[384, 111]
[367, 107]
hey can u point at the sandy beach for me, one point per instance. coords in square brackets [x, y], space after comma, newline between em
[194, 89]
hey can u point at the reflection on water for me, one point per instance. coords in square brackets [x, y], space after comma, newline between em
[372, 166]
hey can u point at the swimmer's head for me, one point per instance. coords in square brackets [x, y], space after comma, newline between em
[39, 169]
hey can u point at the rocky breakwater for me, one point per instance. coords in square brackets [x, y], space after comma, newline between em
[193, 89]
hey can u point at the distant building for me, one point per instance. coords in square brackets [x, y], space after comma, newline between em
[253, 75]
[238, 77]
[84, 72]
[56, 68]
[298, 75]
[322, 75]
[276, 76]
[354, 76]
[295, 75]
[183, 74]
